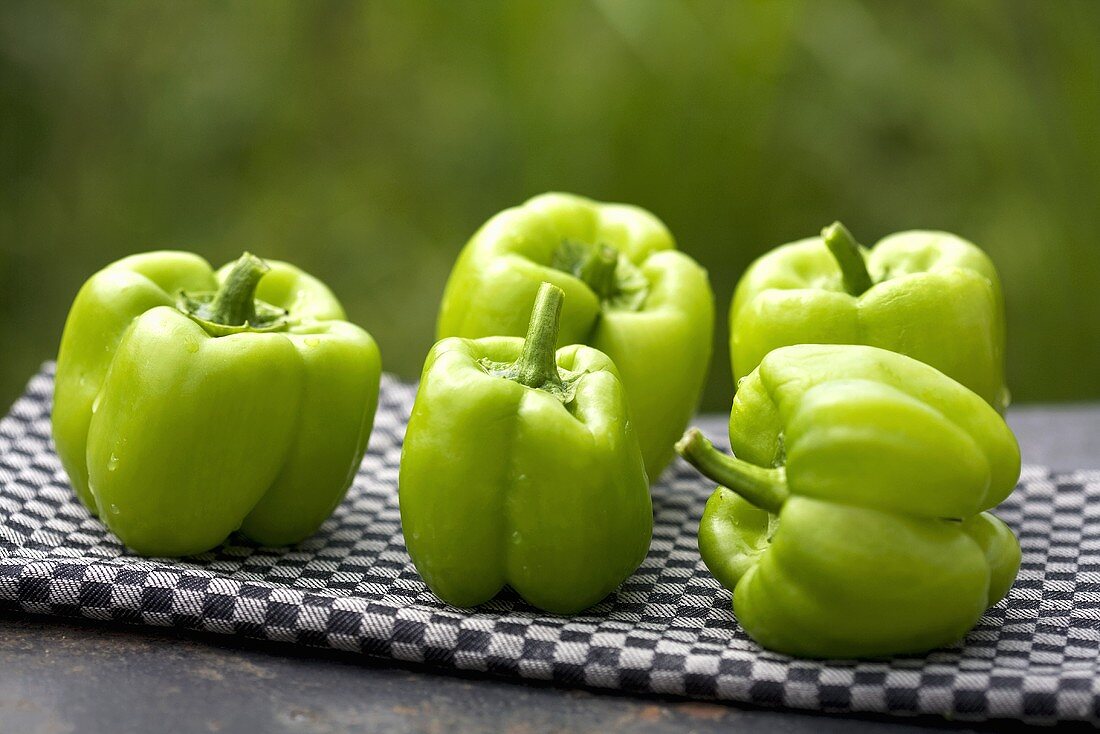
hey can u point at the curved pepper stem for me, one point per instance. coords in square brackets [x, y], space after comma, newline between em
[235, 302]
[765, 488]
[849, 256]
[537, 366]
[234, 308]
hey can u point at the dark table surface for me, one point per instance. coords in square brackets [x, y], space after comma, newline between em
[58, 677]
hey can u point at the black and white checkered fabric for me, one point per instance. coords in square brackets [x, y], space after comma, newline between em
[669, 629]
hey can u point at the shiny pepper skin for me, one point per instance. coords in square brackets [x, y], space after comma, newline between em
[191, 403]
[852, 522]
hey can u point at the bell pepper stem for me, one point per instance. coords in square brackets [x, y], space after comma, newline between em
[849, 257]
[235, 302]
[537, 366]
[594, 264]
[598, 270]
[762, 487]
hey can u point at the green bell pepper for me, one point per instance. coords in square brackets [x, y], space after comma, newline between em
[520, 467]
[929, 295]
[851, 524]
[189, 404]
[628, 293]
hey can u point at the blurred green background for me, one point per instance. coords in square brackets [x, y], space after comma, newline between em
[367, 141]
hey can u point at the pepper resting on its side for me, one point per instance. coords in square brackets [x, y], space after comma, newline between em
[189, 404]
[851, 524]
[628, 293]
[929, 295]
[520, 467]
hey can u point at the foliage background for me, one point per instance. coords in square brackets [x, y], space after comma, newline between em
[367, 141]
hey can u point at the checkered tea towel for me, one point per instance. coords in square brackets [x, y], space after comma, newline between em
[669, 629]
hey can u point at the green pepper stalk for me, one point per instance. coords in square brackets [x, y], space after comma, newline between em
[233, 308]
[235, 301]
[929, 295]
[849, 258]
[833, 556]
[190, 403]
[537, 365]
[762, 487]
[593, 264]
[511, 453]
